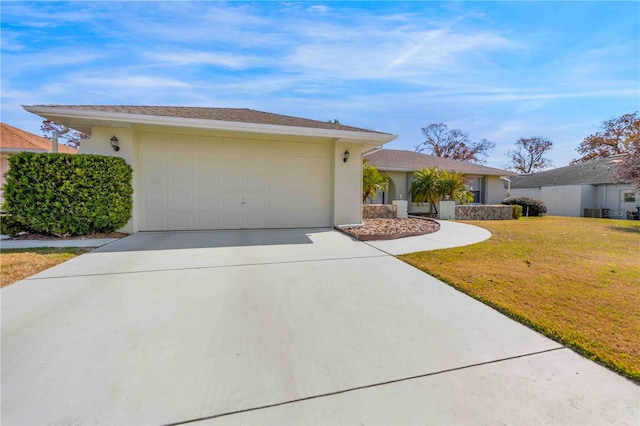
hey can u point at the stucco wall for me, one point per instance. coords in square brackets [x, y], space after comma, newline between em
[563, 200]
[347, 207]
[347, 200]
[495, 191]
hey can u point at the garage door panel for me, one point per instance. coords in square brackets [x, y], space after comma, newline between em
[155, 201]
[207, 202]
[208, 182]
[182, 220]
[209, 219]
[182, 200]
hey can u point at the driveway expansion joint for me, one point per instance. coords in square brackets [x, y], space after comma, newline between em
[357, 388]
[195, 268]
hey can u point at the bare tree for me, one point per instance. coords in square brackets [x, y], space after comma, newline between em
[454, 144]
[628, 170]
[529, 154]
[615, 137]
[71, 138]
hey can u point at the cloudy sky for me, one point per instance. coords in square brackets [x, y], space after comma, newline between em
[496, 70]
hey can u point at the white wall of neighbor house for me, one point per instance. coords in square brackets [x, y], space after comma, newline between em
[563, 200]
[587, 198]
[617, 198]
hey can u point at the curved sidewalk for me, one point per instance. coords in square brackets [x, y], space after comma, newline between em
[451, 234]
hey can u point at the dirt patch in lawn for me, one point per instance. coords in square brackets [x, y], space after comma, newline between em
[389, 229]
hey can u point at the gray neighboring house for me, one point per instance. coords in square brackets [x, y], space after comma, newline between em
[400, 165]
[586, 189]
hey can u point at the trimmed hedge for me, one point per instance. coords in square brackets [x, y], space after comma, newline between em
[536, 207]
[67, 194]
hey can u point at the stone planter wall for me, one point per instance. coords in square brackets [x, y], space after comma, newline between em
[483, 212]
[379, 211]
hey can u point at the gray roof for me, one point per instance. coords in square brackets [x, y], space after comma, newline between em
[238, 115]
[394, 159]
[592, 172]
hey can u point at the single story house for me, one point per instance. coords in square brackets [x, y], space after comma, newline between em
[583, 189]
[400, 165]
[227, 168]
[14, 140]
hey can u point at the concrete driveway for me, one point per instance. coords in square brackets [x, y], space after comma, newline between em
[279, 327]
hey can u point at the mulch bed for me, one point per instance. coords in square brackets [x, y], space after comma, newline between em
[390, 229]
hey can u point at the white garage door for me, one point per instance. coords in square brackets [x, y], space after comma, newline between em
[190, 182]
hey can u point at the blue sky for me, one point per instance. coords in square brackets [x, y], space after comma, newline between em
[496, 70]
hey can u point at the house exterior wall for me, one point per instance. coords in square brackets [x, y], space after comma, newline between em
[587, 198]
[611, 196]
[346, 182]
[572, 200]
[563, 200]
[495, 191]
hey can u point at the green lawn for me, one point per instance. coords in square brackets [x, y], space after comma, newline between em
[576, 280]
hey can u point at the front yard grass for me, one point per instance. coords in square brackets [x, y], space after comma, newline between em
[17, 264]
[576, 280]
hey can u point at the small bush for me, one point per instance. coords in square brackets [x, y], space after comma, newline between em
[535, 207]
[516, 211]
[66, 194]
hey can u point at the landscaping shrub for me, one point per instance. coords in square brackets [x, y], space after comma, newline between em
[66, 194]
[536, 207]
[516, 211]
[9, 225]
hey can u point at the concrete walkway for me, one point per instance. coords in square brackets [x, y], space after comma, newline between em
[451, 234]
[279, 327]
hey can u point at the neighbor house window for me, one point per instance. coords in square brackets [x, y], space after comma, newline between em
[475, 186]
[629, 197]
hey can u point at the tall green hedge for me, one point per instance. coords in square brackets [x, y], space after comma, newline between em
[66, 194]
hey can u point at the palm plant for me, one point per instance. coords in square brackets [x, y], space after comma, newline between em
[452, 185]
[373, 180]
[432, 185]
[424, 187]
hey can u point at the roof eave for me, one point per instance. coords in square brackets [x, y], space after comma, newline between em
[57, 113]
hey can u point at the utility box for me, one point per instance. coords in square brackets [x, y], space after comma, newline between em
[402, 206]
[447, 210]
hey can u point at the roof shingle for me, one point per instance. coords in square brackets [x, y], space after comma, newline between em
[393, 159]
[239, 115]
[598, 171]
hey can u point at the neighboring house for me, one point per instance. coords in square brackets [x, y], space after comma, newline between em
[400, 165]
[583, 189]
[14, 140]
[226, 168]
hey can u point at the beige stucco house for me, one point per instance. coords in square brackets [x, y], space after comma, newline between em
[14, 140]
[225, 168]
[399, 165]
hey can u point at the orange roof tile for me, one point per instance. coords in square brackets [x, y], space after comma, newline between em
[14, 139]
